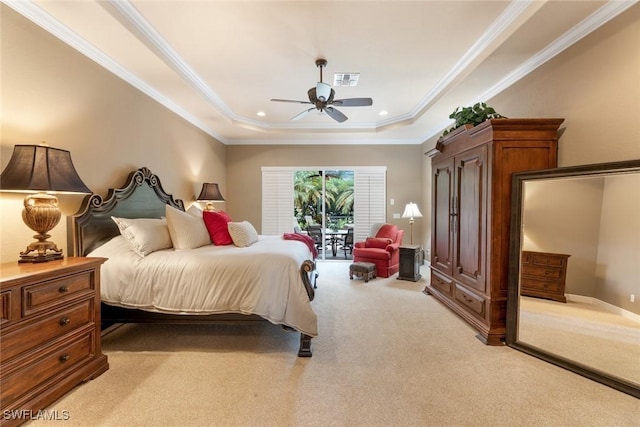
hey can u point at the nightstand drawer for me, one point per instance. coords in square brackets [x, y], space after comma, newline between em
[55, 324]
[58, 359]
[43, 295]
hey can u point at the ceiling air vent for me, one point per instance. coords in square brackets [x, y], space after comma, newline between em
[345, 79]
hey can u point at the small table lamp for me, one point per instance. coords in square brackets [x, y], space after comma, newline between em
[411, 211]
[42, 170]
[210, 193]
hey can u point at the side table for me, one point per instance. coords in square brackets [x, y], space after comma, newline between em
[409, 263]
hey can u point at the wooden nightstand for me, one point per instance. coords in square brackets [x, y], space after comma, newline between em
[49, 333]
[409, 263]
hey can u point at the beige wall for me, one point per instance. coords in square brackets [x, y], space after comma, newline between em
[618, 262]
[595, 87]
[52, 93]
[403, 162]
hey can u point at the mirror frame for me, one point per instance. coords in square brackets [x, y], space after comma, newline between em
[515, 242]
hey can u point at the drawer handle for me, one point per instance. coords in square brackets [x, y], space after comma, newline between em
[466, 298]
[64, 321]
[63, 289]
[64, 358]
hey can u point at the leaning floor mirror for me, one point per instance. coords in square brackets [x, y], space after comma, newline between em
[574, 271]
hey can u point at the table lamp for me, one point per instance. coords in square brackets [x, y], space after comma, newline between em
[41, 170]
[411, 211]
[210, 193]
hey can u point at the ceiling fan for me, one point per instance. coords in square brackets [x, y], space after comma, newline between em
[321, 97]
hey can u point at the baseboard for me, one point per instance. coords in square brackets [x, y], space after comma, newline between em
[605, 306]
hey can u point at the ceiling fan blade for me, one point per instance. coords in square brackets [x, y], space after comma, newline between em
[335, 114]
[353, 102]
[291, 100]
[302, 114]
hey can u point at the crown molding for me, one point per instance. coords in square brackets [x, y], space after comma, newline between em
[306, 141]
[481, 48]
[149, 35]
[591, 23]
[38, 16]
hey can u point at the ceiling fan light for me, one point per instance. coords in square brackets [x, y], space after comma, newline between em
[323, 91]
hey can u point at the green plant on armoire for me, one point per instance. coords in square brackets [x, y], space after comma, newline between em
[472, 116]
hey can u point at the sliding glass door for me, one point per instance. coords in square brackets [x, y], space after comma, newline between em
[331, 200]
[323, 203]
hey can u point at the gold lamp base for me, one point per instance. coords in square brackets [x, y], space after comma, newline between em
[41, 214]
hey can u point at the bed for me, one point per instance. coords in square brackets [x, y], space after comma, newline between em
[272, 279]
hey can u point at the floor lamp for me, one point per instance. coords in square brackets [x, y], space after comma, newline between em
[411, 211]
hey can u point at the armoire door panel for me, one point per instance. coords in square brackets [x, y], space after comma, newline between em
[471, 216]
[441, 239]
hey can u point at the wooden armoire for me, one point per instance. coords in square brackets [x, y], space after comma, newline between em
[471, 210]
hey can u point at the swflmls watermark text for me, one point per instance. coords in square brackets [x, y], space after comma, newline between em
[42, 415]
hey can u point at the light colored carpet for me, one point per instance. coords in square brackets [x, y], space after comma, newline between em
[387, 355]
[583, 332]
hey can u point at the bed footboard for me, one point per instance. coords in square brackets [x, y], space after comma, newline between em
[309, 276]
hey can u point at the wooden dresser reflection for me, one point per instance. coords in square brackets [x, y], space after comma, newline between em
[543, 275]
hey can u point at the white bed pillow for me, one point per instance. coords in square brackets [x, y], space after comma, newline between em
[145, 235]
[187, 231]
[195, 210]
[242, 233]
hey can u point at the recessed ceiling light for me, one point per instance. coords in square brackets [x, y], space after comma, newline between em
[261, 113]
[383, 112]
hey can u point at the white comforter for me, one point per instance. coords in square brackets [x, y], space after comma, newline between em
[262, 279]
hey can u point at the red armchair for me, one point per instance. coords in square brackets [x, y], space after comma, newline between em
[383, 250]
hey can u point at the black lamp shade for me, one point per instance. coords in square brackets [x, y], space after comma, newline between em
[41, 168]
[210, 192]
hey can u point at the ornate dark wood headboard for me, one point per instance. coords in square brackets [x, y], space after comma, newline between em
[141, 197]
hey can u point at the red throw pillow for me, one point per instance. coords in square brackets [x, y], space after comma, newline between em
[377, 242]
[216, 222]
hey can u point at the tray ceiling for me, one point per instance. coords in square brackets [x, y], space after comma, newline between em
[219, 63]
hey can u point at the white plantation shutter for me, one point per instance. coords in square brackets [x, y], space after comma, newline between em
[369, 204]
[277, 201]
